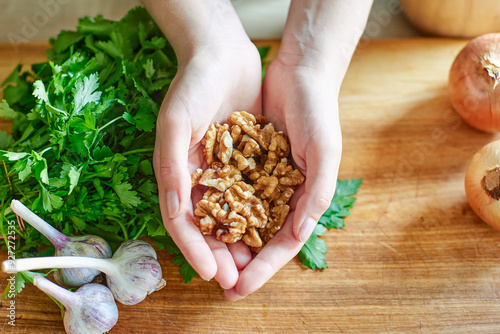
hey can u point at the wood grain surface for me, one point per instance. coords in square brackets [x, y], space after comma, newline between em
[413, 257]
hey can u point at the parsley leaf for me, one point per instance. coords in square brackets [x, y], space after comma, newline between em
[39, 91]
[85, 92]
[185, 269]
[313, 252]
[128, 197]
[341, 203]
[6, 111]
[5, 140]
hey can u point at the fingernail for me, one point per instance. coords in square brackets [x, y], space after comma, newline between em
[306, 229]
[172, 203]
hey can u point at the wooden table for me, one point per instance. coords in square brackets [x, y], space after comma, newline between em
[413, 257]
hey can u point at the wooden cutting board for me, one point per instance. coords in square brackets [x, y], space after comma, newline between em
[413, 257]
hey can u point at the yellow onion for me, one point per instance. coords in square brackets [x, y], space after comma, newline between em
[474, 83]
[457, 18]
[482, 184]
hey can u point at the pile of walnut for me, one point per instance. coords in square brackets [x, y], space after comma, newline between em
[250, 180]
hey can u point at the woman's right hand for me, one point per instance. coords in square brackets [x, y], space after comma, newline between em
[207, 87]
[219, 72]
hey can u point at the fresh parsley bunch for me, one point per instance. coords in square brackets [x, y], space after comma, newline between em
[83, 137]
[83, 133]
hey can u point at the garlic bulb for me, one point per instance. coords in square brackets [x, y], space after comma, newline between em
[89, 310]
[132, 273]
[88, 245]
[456, 18]
[139, 272]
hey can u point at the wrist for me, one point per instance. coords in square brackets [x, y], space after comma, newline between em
[222, 46]
[218, 39]
[193, 27]
[314, 66]
[318, 36]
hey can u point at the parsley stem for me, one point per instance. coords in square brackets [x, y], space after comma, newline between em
[109, 236]
[45, 150]
[26, 133]
[139, 150]
[20, 191]
[7, 175]
[2, 218]
[124, 229]
[138, 234]
[109, 123]
[138, 55]
[102, 128]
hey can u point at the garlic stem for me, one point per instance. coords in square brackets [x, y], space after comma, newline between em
[57, 262]
[57, 238]
[64, 296]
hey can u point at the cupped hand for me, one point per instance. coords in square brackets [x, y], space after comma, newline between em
[302, 101]
[208, 86]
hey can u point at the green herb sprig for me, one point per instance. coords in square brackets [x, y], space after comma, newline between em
[313, 252]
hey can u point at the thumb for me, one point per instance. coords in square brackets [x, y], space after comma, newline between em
[173, 136]
[322, 164]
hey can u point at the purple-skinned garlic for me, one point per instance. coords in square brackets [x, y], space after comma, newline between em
[89, 310]
[87, 245]
[132, 273]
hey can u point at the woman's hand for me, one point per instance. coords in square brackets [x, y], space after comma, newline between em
[206, 89]
[219, 72]
[302, 101]
[300, 96]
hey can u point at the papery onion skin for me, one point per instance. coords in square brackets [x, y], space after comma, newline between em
[480, 199]
[474, 83]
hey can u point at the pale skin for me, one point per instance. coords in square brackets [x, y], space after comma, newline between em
[220, 72]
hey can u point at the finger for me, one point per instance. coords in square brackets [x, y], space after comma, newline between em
[227, 273]
[241, 254]
[171, 159]
[278, 252]
[190, 241]
[182, 229]
[322, 163]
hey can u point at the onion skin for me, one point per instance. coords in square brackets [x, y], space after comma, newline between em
[474, 85]
[484, 205]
